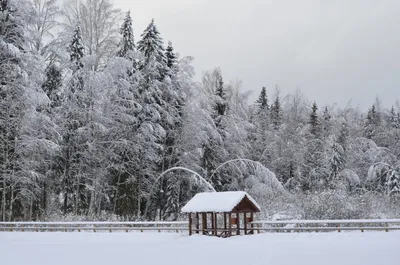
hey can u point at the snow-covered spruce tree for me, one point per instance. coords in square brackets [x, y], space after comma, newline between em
[372, 122]
[152, 47]
[326, 123]
[276, 113]
[261, 120]
[315, 171]
[172, 60]
[172, 206]
[124, 106]
[52, 85]
[262, 101]
[76, 50]
[151, 133]
[172, 119]
[336, 160]
[72, 117]
[393, 183]
[213, 150]
[394, 119]
[127, 44]
[315, 126]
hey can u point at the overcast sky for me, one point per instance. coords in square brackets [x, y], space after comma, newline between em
[333, 50]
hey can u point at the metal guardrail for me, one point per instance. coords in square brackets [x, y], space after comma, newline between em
[177, 227]
[327, 225]
[181, 226]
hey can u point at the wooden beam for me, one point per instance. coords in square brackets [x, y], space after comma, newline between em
[238, 223]
[251, 221]
[230, 224]
[197, 223]
[245, 223]
[190, 224]
[204, 221]
[225, 221]
[212, 224]
[215, 223]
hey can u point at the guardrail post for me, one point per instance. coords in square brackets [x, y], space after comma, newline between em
[362, 228]
[387, 227]
[338, 226]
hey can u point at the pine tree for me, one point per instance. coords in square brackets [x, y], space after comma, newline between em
[326, 123]
[314, 121]
[52, 85]
[172, 195]
[326, 114]
[276, 113]
[372, 123]
[172, 60]
[220, 105]
[76, 50]
[127, 44]
[73, 117]
[394, 119]
[337, 160]
[393, 183]
[152, 47]
[262, 101]
[213, 150]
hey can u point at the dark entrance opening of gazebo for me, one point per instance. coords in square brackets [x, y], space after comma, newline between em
[221, 214]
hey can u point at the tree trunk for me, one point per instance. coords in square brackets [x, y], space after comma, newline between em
[3, 206]
[139, 199]
[11, 204]
[117, 193]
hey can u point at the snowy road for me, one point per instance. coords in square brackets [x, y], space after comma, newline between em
[352, 248]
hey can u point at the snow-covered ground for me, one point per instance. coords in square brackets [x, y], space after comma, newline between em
[352, 248]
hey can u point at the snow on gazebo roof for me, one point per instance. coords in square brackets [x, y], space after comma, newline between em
[217, 202]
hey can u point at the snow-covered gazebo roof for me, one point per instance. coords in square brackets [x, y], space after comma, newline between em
[221, 202]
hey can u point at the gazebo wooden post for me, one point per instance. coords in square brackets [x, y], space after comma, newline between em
[230, 223]
[190, 224]
[251, 223]
[197, 223]
[215, 224]
[238, 223]
[225, 221]
[212, 224]
[245, 223]
[204, 221]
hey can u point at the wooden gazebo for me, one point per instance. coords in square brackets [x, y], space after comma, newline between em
[235, 208]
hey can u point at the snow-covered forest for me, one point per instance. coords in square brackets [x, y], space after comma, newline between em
[92, 112]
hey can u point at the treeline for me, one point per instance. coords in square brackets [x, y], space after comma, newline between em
[90, 118]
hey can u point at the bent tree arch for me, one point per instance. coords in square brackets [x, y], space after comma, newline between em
[269, 177]
[197, 175]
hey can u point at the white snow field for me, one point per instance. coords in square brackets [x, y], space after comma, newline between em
[351, 248]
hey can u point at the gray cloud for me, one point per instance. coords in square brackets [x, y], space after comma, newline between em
[333, 50]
